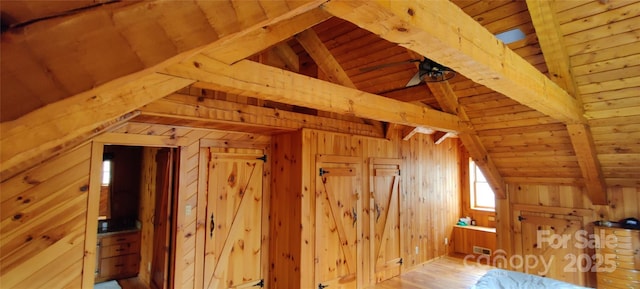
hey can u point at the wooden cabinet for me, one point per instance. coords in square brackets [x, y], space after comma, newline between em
[619, 257]
[118, 255]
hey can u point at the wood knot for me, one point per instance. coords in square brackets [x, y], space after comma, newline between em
[17, 216]
[411, 12]
[196, 64]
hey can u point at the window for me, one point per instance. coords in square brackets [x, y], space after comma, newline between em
[481, 194]
[106, 172]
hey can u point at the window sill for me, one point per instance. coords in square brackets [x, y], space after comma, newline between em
[484, 210]
[477, 228]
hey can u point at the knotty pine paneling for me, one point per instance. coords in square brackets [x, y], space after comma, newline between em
[624, 202]
[43, 223]
[47, 205]
[430, 198]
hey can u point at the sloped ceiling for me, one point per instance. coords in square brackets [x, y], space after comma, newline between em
[560, 106]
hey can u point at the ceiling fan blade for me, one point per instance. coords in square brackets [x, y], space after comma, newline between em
[384, 65]
[415, 80]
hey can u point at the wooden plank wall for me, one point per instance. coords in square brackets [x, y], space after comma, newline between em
[430, 196]
[624, 202]
[43, 223]
[44, 209]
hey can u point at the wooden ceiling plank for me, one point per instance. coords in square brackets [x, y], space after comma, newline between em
[449, 103]
[589, 165]
[444, 33]
[284, 86]
[600, 16]
[323, 58]
[256, 40]
[607, 86]
[617, 27]
[605, 54]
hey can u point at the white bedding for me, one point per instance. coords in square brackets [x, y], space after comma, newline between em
[498, 278]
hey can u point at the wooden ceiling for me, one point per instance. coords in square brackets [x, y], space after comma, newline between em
[561, 106]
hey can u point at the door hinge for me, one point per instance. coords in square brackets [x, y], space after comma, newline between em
[323, 171]
[521, 218]
[262, 158]
[260, 284]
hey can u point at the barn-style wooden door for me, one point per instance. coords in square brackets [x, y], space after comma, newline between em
[385, 218]
[233, 249]
[543, 251]
[338, 228]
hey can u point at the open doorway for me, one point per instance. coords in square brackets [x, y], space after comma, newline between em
[135, 222]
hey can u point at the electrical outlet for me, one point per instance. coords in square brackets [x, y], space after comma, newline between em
[491, 219]
[446, 241]
[187, 210]
[417, 250]
[149, 267]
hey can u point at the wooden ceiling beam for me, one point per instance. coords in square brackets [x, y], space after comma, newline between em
[323, 58]
[443, 32]
[288, 56]
[583, 145]
[440, 136]
[410, 132]
[48, 129]
[328, 64]
[208, 113]
[555, 54]
[448, 101]
[275, 84]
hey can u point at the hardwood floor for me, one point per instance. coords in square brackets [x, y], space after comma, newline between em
[445, 273]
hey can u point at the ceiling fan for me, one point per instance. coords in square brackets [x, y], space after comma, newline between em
[428, 71]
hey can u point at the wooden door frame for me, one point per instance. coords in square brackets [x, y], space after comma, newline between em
[339, 159]
[93, 199]
[202, 192]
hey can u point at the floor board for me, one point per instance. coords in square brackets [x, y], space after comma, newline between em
[443, 273]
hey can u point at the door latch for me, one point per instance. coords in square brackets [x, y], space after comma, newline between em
[320, 286]
[260, 284]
